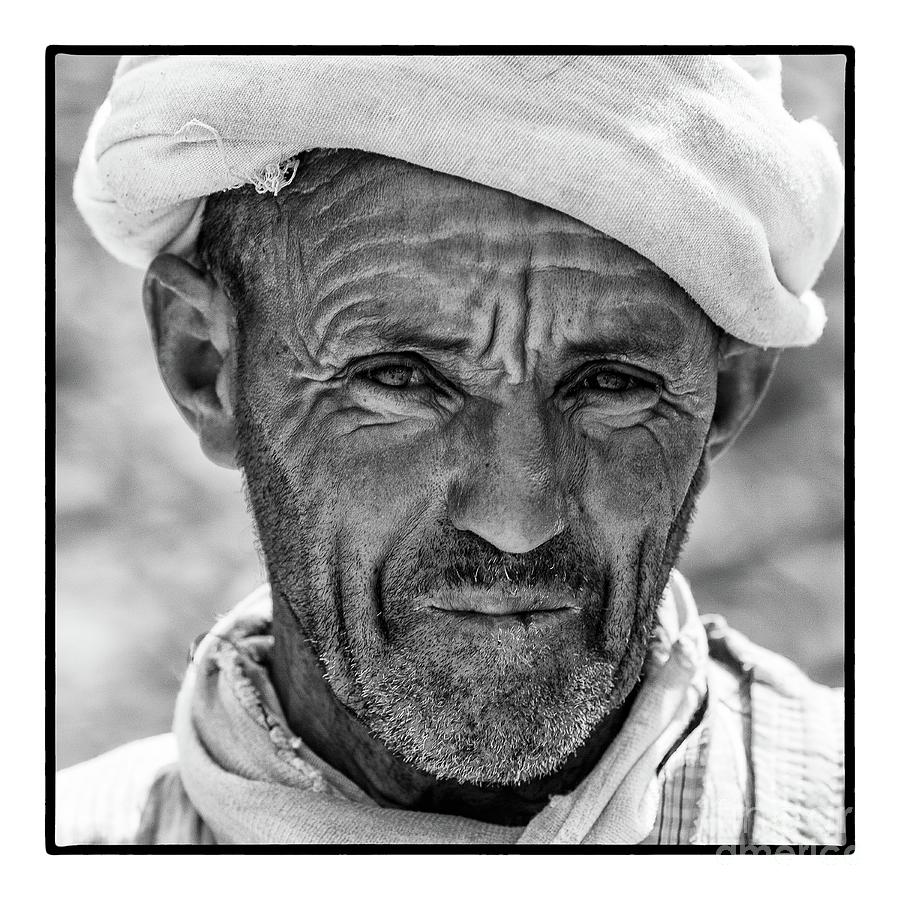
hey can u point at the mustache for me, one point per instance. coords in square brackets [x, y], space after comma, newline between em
[461, 559]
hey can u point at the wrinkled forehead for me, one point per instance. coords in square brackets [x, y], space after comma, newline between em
[372, 243]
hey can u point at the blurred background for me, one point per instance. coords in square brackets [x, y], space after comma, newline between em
[152, 541]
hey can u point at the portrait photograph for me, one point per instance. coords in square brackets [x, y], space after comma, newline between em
[450, 449]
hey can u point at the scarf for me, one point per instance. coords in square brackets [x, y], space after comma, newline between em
[254, 782]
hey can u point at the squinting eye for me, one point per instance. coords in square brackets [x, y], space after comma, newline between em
[395, 375]
[606, 380]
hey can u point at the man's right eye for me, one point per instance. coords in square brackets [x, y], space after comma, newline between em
[394, 375]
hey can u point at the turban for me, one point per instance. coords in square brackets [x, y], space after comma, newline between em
[691, 160]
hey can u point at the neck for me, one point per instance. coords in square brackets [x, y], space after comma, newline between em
[335, 734]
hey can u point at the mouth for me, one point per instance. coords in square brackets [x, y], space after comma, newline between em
[525, 607]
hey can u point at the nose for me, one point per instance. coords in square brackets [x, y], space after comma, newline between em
[511, 494]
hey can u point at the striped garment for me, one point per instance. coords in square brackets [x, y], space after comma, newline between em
[761, 762]
[765, 764]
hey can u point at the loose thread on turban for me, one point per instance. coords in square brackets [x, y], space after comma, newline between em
[271, 179]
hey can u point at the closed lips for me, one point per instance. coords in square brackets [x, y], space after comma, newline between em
[501, 602]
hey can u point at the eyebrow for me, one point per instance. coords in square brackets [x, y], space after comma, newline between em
[619, 345]
[407, 336]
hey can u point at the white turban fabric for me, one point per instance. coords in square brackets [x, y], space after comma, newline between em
[690, 160]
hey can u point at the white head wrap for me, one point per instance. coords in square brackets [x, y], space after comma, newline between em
[690, 160]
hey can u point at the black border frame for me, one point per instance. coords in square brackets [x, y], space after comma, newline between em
[848, 847]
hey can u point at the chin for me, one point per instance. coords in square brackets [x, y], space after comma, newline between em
[486, 702]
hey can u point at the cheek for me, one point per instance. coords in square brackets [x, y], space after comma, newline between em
[379, 491]
[634, 483]
[376, 483]
[381, 484]
[636, 479]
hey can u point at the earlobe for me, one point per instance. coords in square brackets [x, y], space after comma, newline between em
[744, 374]
[192, 327]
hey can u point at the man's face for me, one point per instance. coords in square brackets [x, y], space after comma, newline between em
[471, 429]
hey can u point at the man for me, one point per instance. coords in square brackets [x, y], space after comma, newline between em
[473, 328]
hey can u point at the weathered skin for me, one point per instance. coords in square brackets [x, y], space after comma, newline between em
[448, 396]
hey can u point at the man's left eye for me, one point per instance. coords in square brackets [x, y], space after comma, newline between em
[395, 375]
[610, 381]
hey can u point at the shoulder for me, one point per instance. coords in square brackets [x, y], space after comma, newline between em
[793, 732]
[130, 795]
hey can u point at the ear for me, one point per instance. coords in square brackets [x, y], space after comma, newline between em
[193, 330]
[744, 374]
